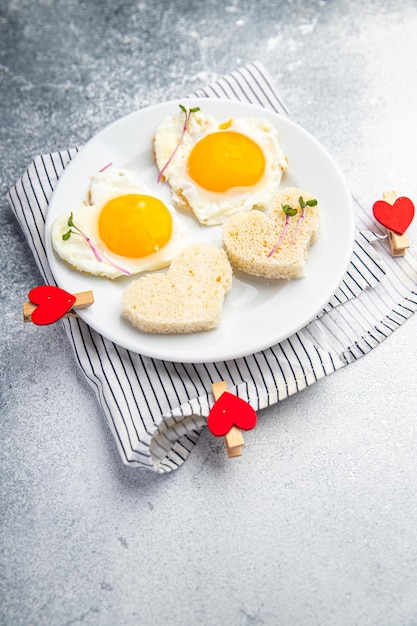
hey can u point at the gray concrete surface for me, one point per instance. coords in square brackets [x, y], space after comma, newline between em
[316, 524]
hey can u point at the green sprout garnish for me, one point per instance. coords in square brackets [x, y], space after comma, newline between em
[184, 130]
[303, 204]
[291, 212]
[100, 256]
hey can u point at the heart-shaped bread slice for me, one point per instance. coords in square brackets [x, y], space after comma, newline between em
[250, 237]
[188, 298]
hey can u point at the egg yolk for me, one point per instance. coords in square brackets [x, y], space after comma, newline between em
[226, 159]
[135, 225]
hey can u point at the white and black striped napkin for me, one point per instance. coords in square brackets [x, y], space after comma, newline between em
[157, 409]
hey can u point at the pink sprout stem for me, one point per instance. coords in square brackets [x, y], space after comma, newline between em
[105, 167]
[297, 228]
[92, 247]
[184, 130]
[118, 267]
[97, 253]
[284, 230]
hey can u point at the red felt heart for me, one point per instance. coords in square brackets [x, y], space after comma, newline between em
[230, 410]
[396, 217]
[52, 303]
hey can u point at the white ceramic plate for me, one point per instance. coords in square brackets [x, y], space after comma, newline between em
[257, 314]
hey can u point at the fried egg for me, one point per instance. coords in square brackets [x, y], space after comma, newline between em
[124, 230]
[219, 168]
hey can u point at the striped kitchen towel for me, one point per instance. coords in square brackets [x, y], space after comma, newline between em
[157, 409]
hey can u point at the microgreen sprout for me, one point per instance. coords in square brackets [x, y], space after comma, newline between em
[100, 256]
[303, 204]
[289, 212]
[184, 130]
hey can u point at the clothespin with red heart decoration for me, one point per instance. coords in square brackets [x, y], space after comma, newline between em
[228, 415]
[47, 304]
[396, 214]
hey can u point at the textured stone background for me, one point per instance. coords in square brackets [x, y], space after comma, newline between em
[317, 523]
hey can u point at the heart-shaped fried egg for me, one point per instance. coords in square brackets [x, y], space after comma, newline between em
[124, 230]
[218, 169]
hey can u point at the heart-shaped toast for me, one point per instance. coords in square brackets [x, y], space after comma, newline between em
[188, 298]
[52, 304]
[250, 238]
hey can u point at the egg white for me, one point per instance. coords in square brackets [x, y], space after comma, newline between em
[106, 185]
[112, 182]
[211, 207]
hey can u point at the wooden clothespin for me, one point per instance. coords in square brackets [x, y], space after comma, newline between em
[47, 304]
[228, 416]
[396, 214]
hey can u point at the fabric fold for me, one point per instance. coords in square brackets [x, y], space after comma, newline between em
[156, 409]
